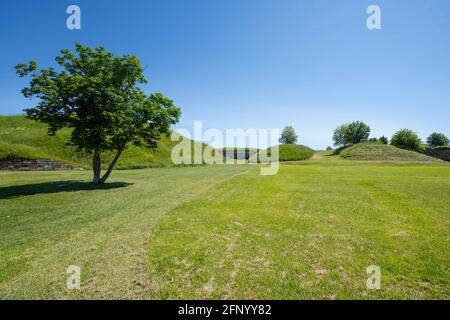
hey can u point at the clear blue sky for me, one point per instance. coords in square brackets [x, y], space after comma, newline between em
[312, 64]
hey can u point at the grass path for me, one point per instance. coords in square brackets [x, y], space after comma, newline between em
[317, 156]
[105, 232]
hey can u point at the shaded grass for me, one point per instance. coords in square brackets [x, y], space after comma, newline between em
[55, 187]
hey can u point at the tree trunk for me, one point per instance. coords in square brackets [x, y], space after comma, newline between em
[111, 166]
[97, 167]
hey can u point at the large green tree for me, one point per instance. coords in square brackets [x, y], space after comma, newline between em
[97, 94]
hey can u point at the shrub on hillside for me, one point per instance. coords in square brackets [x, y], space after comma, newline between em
[437, 139]
[384, 140]
[406, 139]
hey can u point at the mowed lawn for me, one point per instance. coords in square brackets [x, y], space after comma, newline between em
[51, 220]
[309, 232]
[226, 232]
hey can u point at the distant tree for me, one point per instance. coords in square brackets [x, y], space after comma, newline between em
[384, 140]
[288, 136]
[406, 139]
[437, 140]
[339, 135]
[356, 132]
[351, 133]
[329, 148]
[373, 140]
[96, 93]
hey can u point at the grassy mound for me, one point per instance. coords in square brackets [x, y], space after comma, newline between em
[378, 151]
[24, 138]
[293, 152]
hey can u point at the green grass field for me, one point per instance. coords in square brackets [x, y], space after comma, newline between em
[224, 231]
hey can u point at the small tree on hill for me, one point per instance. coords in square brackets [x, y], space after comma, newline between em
[339, 135]
[288, 136]
[384, 140]
[351, 133]
[406, 139]
[437, 139]
[96, 94]
[357, 132]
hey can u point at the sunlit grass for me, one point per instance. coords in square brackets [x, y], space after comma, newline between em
[227, 232]
[310, 232]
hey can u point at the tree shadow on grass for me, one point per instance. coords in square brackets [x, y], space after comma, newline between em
[55, 187]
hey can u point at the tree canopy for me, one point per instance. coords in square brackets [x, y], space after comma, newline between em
[288, 136]
[437, 140]
[97, 94]
[351, 133]
[406, 139]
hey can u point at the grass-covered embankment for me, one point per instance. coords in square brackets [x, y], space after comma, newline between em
[293, 152]
[27, 139]
[379, 151]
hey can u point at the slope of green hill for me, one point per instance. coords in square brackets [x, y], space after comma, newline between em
[378, 151]
[294, 152]
[24, 138]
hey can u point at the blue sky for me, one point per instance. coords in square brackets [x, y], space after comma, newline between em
[312, 64]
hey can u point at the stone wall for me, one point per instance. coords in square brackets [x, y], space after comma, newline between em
[31, 165]
[238, 154]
